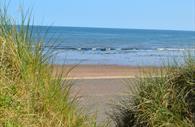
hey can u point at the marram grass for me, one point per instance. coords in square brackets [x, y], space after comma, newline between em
[29, 95]
[164, 101]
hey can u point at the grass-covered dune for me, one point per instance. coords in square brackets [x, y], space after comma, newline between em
[29, 96]
[167, 100]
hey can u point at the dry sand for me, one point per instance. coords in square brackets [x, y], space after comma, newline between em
[100, 85]
[96, 95]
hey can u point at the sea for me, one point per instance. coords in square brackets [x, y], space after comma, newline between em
[110, 46]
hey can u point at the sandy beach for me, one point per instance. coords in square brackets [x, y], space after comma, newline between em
[97, 63]
[101, 71]
[98, 86]
[97, 95]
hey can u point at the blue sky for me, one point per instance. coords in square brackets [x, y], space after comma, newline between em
[140, 14]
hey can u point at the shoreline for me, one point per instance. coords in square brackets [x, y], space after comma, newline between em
[100, 71]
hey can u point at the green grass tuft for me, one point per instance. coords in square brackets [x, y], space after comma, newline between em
[29, 95]
[164, 101]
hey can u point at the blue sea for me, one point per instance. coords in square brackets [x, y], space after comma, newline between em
[134, 47]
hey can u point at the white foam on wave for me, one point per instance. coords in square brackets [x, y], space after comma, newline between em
[108, 49]
[160, 49]
[176, 49]
[129, 49]
[94, 49]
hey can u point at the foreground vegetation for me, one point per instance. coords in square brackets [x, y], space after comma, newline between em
[29, 96]
[164, 101]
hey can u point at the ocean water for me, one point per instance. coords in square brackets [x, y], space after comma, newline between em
[135, 47]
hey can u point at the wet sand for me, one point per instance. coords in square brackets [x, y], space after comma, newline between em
[101, 71]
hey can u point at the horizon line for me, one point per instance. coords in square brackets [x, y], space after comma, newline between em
[122, 28]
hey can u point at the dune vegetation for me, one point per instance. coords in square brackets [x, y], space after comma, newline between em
[164, 101]
[29, 95]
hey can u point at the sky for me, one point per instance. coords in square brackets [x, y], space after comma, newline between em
[137, 14]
